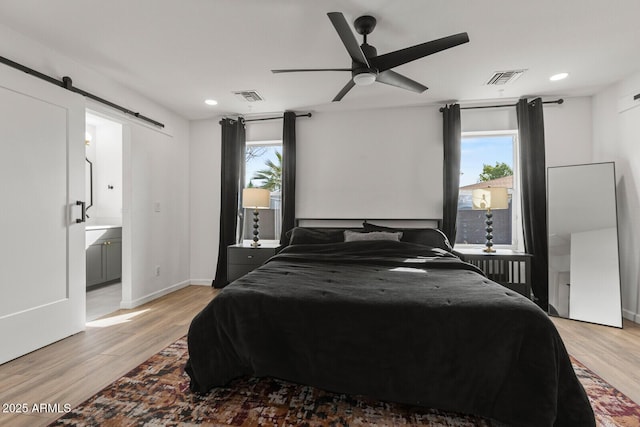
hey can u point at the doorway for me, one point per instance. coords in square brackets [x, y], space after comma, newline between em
[104, 195]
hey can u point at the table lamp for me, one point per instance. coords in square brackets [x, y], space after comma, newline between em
[256, 198]
[489, 198]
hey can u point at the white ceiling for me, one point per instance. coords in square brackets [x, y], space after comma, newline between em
[178, 53]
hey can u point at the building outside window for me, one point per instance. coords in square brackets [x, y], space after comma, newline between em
[489, 159]
[263, 169]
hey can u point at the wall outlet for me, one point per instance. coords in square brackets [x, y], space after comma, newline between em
[157, 270]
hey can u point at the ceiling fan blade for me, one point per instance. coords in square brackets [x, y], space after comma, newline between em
[297, 70]
[348, 39]
[344, 91]
[402, 56]
[394, 79]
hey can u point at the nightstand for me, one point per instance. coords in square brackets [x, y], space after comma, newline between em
[243, 258]
[509, 268]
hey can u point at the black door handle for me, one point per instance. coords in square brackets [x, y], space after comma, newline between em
[84, 212]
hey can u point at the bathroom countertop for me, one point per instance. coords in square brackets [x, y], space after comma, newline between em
[101, 227]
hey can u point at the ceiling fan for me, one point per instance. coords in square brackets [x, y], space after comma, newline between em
[367, 67]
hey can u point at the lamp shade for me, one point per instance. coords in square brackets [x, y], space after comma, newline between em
[490, 198]
[257, 198]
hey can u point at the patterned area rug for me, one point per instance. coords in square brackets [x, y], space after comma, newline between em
[156, 393]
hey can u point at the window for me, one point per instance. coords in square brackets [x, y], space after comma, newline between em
[263, 168]
[489, 159]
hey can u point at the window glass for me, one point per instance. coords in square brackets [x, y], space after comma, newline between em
[263, 169]
[487, 160]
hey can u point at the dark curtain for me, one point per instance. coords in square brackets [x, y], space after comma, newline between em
[534, 194]
[232, 180]
[452, 135]
[288, 190]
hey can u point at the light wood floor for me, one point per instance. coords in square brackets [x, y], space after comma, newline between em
[103, 299]
[612, 353]
[72, 370]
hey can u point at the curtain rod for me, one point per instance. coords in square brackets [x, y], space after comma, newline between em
[275, 118]
[66, 83]
[557, 101]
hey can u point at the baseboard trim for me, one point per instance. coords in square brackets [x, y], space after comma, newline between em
[154, 295]
[630, 315]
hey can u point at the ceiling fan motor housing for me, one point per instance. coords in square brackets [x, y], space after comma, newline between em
[361, 74]
[368, 50]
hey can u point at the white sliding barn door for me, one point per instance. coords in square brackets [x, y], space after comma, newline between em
[42, 260]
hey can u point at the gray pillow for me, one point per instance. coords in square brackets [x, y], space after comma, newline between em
[353, 236]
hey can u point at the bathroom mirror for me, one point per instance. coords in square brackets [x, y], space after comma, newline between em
[88, 184]
[584, 270]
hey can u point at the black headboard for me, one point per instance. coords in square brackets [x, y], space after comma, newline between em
[357, 222]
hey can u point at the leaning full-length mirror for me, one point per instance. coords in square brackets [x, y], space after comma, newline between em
[584, 273]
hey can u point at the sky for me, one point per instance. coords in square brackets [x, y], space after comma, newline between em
[258, 163]
[477, 151]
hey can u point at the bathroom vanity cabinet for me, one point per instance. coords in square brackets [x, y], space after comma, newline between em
[104, 254]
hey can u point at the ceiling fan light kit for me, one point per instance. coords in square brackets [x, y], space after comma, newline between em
[364, 79]
[367, 67]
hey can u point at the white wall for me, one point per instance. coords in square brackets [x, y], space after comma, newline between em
[616, 137]
[204, 170]
[488, 119]
[267, 130]
[567, 132]
[108, 179]
[105, 153]
[158, 166]
[383, 163]
[156, 212]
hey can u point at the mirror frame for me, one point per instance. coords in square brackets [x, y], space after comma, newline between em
[90, 201]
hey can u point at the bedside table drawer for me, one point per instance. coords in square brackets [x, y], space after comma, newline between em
[242, 259]
[235, 271]
[249, 256]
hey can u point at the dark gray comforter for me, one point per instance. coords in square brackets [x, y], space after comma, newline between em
[395, 321]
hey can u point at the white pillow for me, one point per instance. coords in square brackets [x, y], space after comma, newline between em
[353, 236]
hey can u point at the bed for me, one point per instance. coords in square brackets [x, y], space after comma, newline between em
[393, 314]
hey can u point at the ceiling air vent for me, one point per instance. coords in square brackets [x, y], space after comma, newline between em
[504, 77]
[249, 95]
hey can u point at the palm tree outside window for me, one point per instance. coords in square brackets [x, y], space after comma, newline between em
[264, 170]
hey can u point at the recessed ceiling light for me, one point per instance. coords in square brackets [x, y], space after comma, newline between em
[558, 76]
[211, 102]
